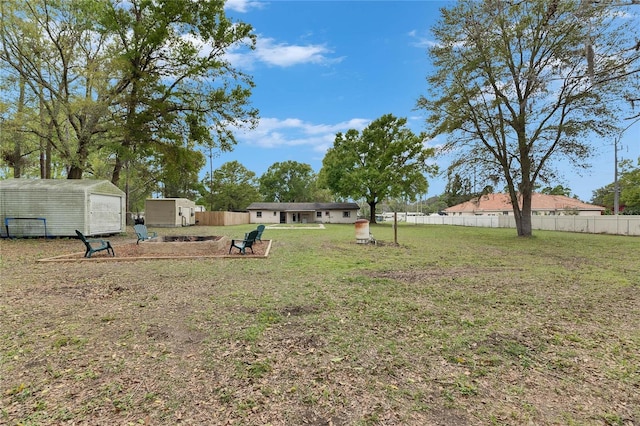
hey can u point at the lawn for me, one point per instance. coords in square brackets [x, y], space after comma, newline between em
[453, 326]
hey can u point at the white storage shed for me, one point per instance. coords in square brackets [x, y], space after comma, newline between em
[57, 207]
[169, 212]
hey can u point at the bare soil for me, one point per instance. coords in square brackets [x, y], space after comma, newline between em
[170, 250]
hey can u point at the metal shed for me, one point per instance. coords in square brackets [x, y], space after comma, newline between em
[169, 212]
[57, 207]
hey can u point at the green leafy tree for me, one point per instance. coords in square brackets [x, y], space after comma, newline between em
[435, 204]
[385, 160]
[288, 182]
[177, 169]
[17, 145]
[512, 95]
[57, 50]
[458, 190]
[186, 95]
[232, 188]
[556, 190]
[321, 195]
[604, 197]
[629, 184]
[124, 80]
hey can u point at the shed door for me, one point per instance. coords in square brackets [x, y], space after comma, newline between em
[105, 214]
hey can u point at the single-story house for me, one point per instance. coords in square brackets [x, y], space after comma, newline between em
[57, 207]
[169, 212]
[541, 204]
[303, 212]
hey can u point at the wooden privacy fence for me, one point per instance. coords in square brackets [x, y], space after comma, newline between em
[221, 218]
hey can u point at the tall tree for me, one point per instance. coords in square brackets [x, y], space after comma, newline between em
[385, 160]
[458, 189]
[630, 194]
[232, 188]
[179, 86]
[288, 182]
[604, 197]
[514, 97]
[629, 184]
[177, 169]
[54, 47]
[124, 79]
[556, 190]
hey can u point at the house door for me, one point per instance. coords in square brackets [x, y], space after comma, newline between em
[283, 217]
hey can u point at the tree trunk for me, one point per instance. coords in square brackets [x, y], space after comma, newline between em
[45, 144]
[117, 169]
[75, 172]
[17, 148]
[372, 213]
[523, 216]
[77, 168]
[47, 164]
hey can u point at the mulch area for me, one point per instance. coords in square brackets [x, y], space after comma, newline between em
[133, 251]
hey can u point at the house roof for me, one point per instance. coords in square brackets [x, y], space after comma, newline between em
[539, 202]
[303, 206]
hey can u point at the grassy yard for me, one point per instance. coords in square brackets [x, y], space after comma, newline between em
[453, 326]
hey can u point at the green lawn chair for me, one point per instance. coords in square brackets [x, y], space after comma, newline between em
[260, 230]
[243, 245]
[95, 245]
[143, 234]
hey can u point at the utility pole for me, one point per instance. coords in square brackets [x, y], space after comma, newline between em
[210, 179]
[616, 183]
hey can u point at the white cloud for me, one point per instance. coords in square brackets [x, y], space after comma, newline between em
[270, 52]
[243, 6]
[420, 41]
[285, 55]
[292, 132]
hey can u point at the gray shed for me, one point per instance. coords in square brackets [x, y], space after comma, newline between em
[57, 207]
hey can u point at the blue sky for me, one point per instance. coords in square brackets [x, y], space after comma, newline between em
[323, 67]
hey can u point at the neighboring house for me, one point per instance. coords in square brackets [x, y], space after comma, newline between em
[169, 212]
[541, 204]
[303, 212]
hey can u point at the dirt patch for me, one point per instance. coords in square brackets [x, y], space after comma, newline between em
[170, 250]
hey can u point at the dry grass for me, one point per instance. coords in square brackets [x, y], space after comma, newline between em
[453, 326]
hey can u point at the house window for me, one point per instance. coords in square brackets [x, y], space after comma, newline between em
[258, 214]
[319, 215]
[346, 214]
[275, 213]
[505, 213]
[326, 213]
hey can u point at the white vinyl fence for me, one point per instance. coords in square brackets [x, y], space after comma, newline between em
[618, 225]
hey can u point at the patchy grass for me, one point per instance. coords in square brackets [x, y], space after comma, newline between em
[452, 326]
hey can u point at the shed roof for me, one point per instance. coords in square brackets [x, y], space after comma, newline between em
[303, 206]
[170, 199]
[66, 185]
